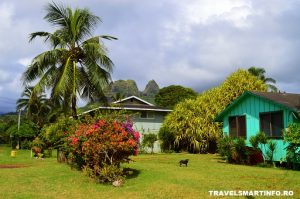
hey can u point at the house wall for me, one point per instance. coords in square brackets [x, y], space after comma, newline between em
[251, 106]
[150, 125]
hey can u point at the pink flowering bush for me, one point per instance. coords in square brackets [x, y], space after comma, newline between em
[101, 147]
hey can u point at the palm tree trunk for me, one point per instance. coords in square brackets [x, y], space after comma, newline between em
[74, 111]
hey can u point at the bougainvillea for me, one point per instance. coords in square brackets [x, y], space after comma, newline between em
[105, 143]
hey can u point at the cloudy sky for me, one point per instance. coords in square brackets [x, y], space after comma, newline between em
[194, 43]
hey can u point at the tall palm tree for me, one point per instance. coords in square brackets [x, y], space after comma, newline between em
[77, 64]
[260, 74]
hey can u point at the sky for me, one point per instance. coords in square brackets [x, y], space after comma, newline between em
[193, 43]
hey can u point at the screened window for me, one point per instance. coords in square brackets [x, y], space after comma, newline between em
[147, 115]
[271, 123]
[237, 126]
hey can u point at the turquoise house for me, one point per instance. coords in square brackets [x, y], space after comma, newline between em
[255, 111]
[148, 117]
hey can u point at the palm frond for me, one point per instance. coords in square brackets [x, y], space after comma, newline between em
[57, 15]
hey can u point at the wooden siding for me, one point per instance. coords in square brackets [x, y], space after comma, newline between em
[150, 125]
[251, 107]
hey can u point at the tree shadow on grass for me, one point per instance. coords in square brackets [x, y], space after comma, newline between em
[219, 159]
[131, 173]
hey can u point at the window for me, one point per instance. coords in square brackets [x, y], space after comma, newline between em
[271, 123]
[237, 126]
[147, 115]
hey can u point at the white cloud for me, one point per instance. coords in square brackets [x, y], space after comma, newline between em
[25, 61]
[209, 11]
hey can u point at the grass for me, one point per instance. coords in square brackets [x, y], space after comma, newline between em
[155, 176]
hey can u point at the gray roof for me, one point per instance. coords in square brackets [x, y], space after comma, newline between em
[290, 100]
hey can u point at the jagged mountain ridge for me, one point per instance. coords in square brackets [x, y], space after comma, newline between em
[125, 88]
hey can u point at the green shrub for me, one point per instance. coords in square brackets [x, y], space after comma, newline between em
[259, 142]
[226, 147]
[292, 136]
[26, 144]
[240, 155]
[233, 149]
[149, 140]
[271, 147]
[167, 139]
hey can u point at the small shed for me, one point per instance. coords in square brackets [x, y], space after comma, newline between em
[256, 111]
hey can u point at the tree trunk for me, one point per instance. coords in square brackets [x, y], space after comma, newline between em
[74, 111]
[61, 156]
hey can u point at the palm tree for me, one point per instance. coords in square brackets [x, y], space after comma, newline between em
[260, 74]
[35, 104]
[77, 64]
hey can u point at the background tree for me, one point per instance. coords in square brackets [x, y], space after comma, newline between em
[149, 140]
[77, 64]
[192, 120]
[260, 74]
[35, 104]
[6, 121]
[169, 96]
[27, 130]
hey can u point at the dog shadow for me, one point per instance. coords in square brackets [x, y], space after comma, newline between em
[131, 173]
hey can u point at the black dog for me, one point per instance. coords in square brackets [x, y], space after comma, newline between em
[181, 162]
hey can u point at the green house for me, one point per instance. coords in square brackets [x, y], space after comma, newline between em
[255, 111]
[148, 117]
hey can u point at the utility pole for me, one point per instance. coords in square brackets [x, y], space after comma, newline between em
[19, 121]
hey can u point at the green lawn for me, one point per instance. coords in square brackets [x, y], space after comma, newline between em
[156, 176]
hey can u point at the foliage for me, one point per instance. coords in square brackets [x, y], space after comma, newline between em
[240, 151]
[149, 140]
[167, 139]
[100, 147]
[54, 135]
[169, 96]
[38, 147]
[259, 142]
[27, 130]
[76, 65]
[271, 147]
[236, 151]
[226, 147]
[35, 104]
[192, 120]
[5, 123]
[292, 136]
[260, 74]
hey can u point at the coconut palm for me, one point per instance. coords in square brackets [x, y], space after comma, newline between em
[260, 74]
[35, 104]
[30, 100]
[77, 64]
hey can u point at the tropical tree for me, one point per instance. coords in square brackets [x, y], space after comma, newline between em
[169, 96]
[260, 74]
[35, 104]
[77, 64]
[192, 120]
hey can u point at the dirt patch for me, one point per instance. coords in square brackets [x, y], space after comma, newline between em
[12, 166]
